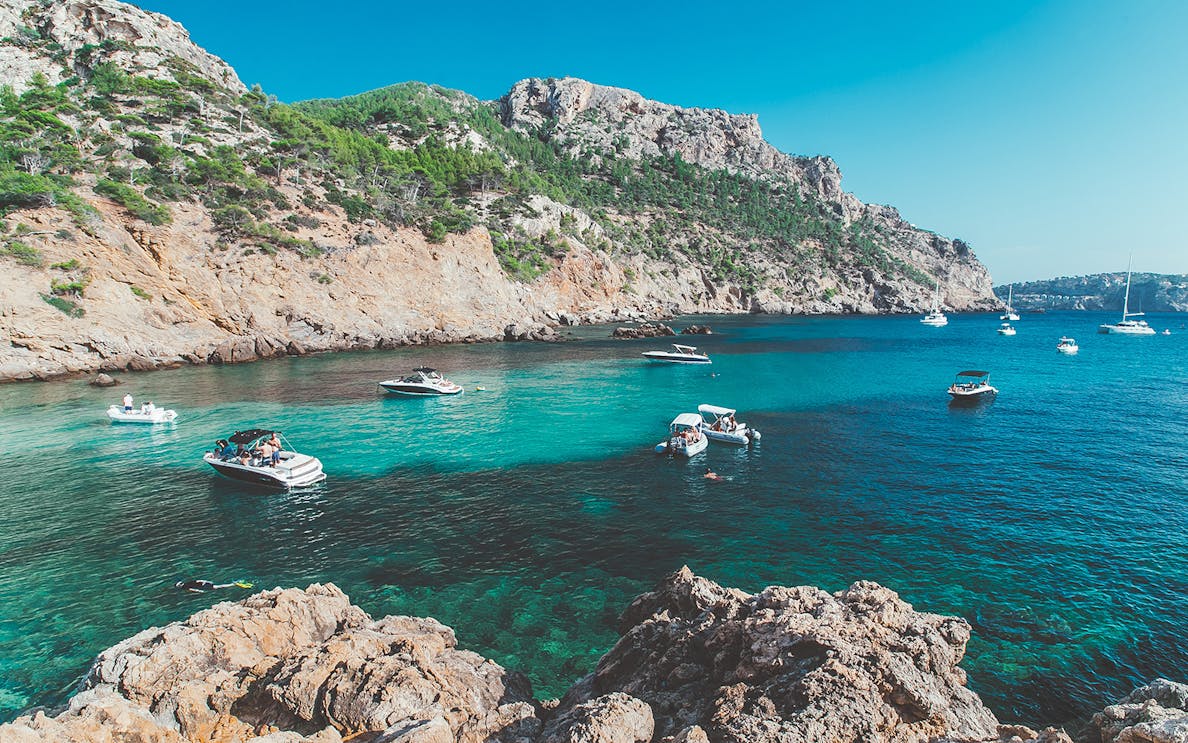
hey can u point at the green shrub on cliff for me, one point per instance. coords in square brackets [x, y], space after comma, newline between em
[25, 255]
[134, 202]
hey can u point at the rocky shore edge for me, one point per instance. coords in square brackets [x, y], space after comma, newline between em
[695, 662]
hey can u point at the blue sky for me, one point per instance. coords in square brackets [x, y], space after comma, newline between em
[1052, 136]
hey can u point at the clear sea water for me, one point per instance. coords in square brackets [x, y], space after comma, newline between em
[1055, 518]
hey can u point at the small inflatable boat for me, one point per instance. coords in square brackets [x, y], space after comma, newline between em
[157, 415]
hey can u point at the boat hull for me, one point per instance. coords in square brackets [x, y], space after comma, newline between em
[673, 358]
[117, 415]
[975, 393]
[741, 436]
[1109, 329]
[672, 446]
[416, 390]
[297, 471]
[935, 322]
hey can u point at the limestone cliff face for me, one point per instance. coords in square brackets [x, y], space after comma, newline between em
[697, 663]
[133, 38]
[86, 283]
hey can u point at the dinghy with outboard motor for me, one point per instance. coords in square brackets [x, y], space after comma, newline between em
[145, 415]
[249, 456]
[684, 436]
[718, 424]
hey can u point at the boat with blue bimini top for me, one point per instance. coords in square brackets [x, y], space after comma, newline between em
[678, 355]
[971, 385]
[684, 436]
[423, 382]
[264, 457]
[718, 424]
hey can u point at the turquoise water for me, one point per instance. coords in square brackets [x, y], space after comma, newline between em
[529, 514]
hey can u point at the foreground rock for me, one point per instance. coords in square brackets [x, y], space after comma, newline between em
[292, 665]
[1155, 713]
[696, 663]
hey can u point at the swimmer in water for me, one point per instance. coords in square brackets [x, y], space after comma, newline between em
[202, 586]
[711, 475]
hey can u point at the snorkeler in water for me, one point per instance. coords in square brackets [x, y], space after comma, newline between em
[202, 586]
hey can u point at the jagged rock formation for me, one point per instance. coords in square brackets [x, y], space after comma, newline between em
[154, 212]
[1155, 713]
[697, 663]
[1149, 292]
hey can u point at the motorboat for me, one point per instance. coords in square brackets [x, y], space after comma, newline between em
[143, 416]
[971, 385]
[1010, 315]
[678, 355]
[1067, 345]
[1006, 329]
[935, 317]
[240, 458]
[718, 424]
[684, 436]
[1166, 331]
[1126, 326]
[422, 382]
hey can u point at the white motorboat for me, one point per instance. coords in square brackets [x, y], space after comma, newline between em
[422, 382]
[1166, 331]
[935, 317]
[684, 436]
[1067, 345]
[972, 385]
[718, 424]
[1006, 329]
[1126, 326]
[1010, 315]
[143, 416]
[678, 355]
[241, 458]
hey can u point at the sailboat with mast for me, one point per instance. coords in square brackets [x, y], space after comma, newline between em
[935, 317]
[1126, 326]
[1010, 315]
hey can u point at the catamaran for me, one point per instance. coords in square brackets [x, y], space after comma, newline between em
[1126, 326]
[1010, 315]
[935, 317]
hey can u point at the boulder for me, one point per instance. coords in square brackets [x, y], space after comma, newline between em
[791, 665]
[1155, 713]
[104, 380]
[646, 330]
[697, 330]
[612, 718]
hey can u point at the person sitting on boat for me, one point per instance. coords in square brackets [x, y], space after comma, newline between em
[245, 457]
[224, 450]
[128, 402]
[731, 424]
[149, 407]
[266, 454]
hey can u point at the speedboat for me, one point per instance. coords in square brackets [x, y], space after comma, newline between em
[684, 436]
[1067, 345]
[1006, 329]
[1126, 326]
[678, 355]
[935, 317]
[718, 424]
[1166, 331]
[242, 460]
[149, 416]
[422, 382]
[972, 385]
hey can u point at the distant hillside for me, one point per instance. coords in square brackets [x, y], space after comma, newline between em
[155, 210]
[1149, 292]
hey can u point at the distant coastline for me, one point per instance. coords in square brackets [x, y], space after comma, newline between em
[1150, 292]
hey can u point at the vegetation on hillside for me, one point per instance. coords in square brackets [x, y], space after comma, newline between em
[406, 155]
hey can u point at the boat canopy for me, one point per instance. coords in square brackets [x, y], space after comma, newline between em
[244, 437]
[973, 373]
[715, 410]
[425, 370]
[685, 349]
[692, 420]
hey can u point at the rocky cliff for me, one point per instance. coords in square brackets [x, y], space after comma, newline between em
[156, 212]
[1149, 292]
[696, 662]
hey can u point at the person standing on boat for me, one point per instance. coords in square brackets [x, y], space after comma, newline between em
[275, 443]
[127, 402]
[266, 451]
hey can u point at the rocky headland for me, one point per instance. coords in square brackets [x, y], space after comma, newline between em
[155, 211]
[1149, 292]
[695, 662]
